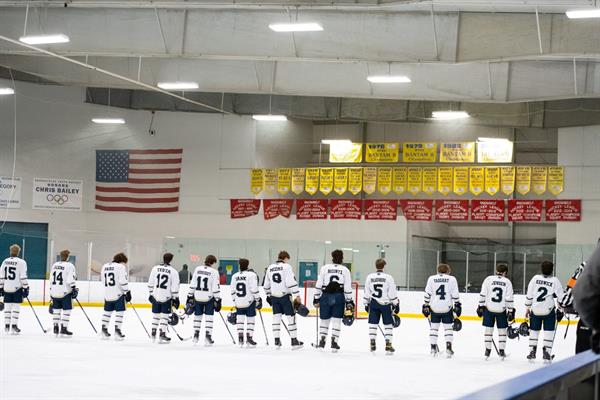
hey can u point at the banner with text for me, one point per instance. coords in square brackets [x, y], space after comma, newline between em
[57, 194]
[420, 152]
[417, 210]
[10, 192]
[524, 210]
[382, 152]
[243, 208]
[311, 209]
[458, 152]
[488, 210]
[452, 210]
[272, 208]
[563, 210]
[381, 209]
[345, 209]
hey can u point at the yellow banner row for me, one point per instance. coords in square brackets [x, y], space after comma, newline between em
[414, 180]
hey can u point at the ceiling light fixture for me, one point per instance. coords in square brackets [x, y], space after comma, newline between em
[388, 79]
[44, 39]
[328, 242]
[108, 120]
[337, 141]
[177, 85]
[580, 14]
[296, 27]
[269, 117]
[449, 115]
[491, 139]
[6, 91]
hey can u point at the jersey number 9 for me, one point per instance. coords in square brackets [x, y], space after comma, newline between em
[241, 289]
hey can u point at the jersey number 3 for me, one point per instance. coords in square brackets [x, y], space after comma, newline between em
[498, 292]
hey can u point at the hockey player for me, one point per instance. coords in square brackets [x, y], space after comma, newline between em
[14, 287]
[541, 310]
[441, 303]
[244, 292]
[62, 293]
[496, 308]
[116, 294]
[333, 294]
[381, 302]
[280, 286]
[163, 286]
[205, 297]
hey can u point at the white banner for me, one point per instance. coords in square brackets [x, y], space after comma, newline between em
[10, 192]
[57, 194]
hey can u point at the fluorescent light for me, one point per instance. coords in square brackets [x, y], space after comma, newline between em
[355, 251]
[388, 79]
[269, 117]
[347, 248]
[297, 27]
[337, 142]
[328, 242]
[170, 237]
[44, 39]
[490, 139]
[177, 85]
[108, 120]
[578, 14]
[6, 91]
[448, 115]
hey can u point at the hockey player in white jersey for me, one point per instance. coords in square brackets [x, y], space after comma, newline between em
[204, 297]
[246, 298]
[280, 286]
[116, 293]
[381, 302]
[163, 286]
[14, 287]
[496, 308]
[442, 302]
[62, 292]
[333, 295]
[541, 310]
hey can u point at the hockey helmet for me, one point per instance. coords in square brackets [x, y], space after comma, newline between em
[189, 309]
[232, 317]
[302, 310]
[456, 325]
[396, 320]
[348, 318]
[173, 319]
[524, 329]
[512, 333]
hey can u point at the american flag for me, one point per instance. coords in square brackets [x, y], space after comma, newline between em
[138, 180]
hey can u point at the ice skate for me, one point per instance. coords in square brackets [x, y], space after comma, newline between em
[196, 337]
[502, 354]
[163, 338]
[547, 356]
[55, 330]
[241, 339]
[334, 346]
[64, 332]
[15, 330]
[434, 350]
[208, 341]
[373, 346]
[449, 351]
[296, 344]
[277, 343]
[119, 335]
[104, 333]
[250, 342]
[389, 349]
[152, 335]
[532, 354]
[488, 352]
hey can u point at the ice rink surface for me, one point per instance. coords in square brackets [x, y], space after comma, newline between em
[38, 366]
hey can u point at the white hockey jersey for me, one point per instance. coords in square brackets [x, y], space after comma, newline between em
[163, 283]
[13, 274]
[244, 288]
[280, 280]
[62, 279]
[205, 284]
[496, 293]
[114, 278]
[334, 272]
[441, 292]
[541, 292]
[380, 287]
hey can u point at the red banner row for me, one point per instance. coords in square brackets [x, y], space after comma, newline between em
[415, 210]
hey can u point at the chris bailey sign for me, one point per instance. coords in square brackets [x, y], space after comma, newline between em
[10, 192]
[57, 194]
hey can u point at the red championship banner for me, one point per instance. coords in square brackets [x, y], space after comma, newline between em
[563, 210]
[417, 210]
[381, 209]
[488, 210]
[242, 208]
[311, 209]
[452, 210]
[345, 209]
[525, 210]
[272, 208]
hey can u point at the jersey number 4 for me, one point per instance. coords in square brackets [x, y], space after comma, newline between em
[57, 277]
[441, 292]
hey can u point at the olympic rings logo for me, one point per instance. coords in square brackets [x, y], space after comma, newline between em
[57, 198]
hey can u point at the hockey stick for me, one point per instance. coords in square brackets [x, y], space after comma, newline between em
[177, 334]
[286, 328]
[381, 330]
[316, 343]
[88, 318]
[495, 348]
[225, 323]
[263, 325]
[36, 316]
[139, 319]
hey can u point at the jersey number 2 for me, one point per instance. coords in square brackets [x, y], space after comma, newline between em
[543, 292]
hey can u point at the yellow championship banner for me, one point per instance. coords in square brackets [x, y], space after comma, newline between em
[355, 176]
[523, 180]
[270, 179]
[458, 152]
[399, 180]
[429, 180]
[556, 179]
[369, 179]
[415, 180]
[507, 179]
[384, 180]
[298, 180]
[538, 179]
[382, 152]
[494, 151]
[461, 180]
[284, 180]
[344, 152]
[312, 180]
[326, 180]
[256, 180]
[444, 180]
[419, 152]
[340, 180]
[476, 180]
[492, 180]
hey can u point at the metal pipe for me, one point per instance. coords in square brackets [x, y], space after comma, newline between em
[539, 32]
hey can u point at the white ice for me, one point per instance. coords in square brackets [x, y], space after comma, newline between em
[38, 366]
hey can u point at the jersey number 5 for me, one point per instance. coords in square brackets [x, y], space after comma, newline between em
[10, 273]
[57, 277]
[377, 290]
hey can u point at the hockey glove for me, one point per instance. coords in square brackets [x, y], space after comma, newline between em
[269, 300]
[396, 308]
[350, 305]
[559, 315]
[367, 307]
[175, 302]
[510, 314]
[316, 302]
[457, 308]
[151, 299]
[259, 303]
[128, 296]
[74, 293]
[426, 310]
[25, 291]
[480, 310]
[218, 305]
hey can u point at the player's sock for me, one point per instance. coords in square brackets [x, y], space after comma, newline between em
[372, 331]
[15, 314]
[55, 317]
[276, 326]
[448, 333]
[106, 318]
[548, 340]
[533, 338]
[336, 326]
[239, 324]
[488, 336]
[502, 339]
[208, 324]
[433, 332]
[7, 314]
[197, 322]
[250, 326]
[162, 324]
[66, 316]
[324, 327]
[389, 332]
[119, 319]
[292, 327]
[155, 321]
